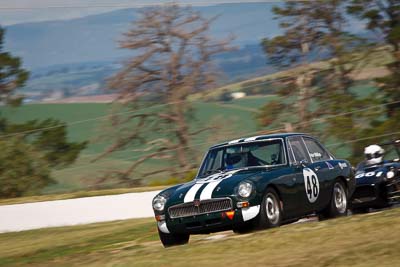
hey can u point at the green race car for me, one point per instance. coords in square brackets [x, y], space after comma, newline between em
[254, 183]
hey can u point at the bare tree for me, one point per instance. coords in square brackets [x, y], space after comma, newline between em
[172, 60]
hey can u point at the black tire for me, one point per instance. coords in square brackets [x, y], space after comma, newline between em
[338, 205]
[170, 240]
[270, 211]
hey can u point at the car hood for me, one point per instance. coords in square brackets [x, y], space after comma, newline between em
[373, 174]
[213, 186]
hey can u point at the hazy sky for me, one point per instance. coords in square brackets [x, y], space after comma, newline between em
[18, 11]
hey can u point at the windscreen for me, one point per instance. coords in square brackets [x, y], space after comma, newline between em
[243, 155]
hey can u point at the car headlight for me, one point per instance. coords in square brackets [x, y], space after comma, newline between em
[159, 203]
[390, 174]
[245, 189]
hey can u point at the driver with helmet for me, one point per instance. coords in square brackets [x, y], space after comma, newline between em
[373, 155]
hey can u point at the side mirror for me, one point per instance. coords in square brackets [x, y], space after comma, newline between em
[302, 163]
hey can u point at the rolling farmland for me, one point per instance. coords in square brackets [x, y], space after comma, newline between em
[84, 124]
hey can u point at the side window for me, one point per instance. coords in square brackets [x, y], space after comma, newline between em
[317, 153]
[216, 164]
[270, 154]
[298, 149]
[290, 153]
[212, 161]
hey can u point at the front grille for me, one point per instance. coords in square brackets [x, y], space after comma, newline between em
[205, 206]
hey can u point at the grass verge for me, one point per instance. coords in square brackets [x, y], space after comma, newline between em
[361, 240]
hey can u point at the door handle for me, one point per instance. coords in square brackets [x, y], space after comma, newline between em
[317, 168]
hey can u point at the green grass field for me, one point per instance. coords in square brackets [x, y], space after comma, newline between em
[80, 129]
[361, 240]
[83, 173]
[235, 119]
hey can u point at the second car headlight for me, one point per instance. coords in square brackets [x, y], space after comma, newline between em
[159, 203]
[390, 174]
[245, 189]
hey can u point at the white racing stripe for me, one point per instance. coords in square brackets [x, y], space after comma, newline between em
[208, 190]
[191, 194]
[212, 182]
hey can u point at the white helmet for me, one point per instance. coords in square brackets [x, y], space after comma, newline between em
[374, 154]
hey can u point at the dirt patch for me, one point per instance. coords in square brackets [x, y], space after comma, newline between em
[370, 73]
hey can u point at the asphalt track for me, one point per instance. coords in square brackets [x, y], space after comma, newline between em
[20, 217]
[86, 210]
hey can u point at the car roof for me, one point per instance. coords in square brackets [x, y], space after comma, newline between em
[257, 138]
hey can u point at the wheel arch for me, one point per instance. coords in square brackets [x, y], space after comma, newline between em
[330, 211]
[343, 180]
[275, 187]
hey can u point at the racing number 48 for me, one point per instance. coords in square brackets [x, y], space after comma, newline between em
[311, 184]
[312, 187]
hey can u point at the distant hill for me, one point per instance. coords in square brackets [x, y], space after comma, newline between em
[74, 57]
[94, 38]
[88, 78]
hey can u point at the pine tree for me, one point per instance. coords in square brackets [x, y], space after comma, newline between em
[315, 31]
[12, 75]
[29, 150]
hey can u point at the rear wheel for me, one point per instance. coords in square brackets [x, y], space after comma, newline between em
[169, 240]
[270, 211]
[338, 205]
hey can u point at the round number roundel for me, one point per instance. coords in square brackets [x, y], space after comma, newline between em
[311, 184]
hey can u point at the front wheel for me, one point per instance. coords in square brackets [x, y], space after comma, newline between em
[270, 211]
[338, 205]
[169, 240]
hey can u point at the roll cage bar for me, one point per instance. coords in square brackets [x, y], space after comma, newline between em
[395, 144]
